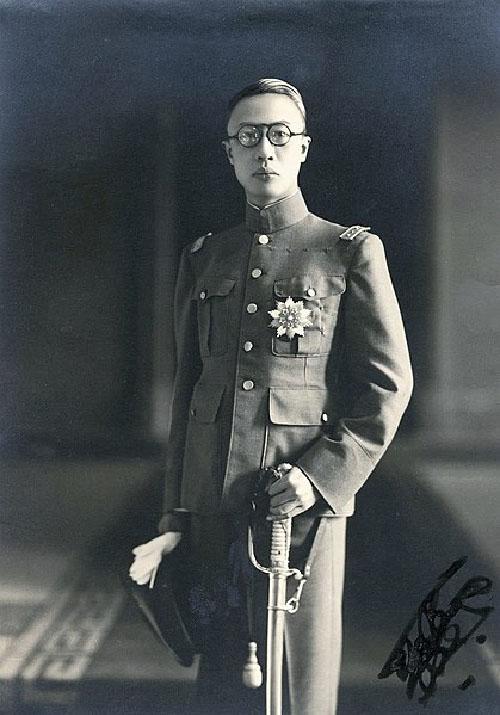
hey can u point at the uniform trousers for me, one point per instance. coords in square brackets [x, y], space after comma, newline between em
[230, 601]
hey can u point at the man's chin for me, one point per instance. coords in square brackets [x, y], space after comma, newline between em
[265, 193]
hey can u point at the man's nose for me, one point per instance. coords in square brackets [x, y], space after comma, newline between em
[265, 148]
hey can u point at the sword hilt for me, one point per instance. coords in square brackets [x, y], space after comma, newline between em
[280, 544]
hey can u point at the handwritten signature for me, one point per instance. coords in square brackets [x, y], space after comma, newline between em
[421, 661]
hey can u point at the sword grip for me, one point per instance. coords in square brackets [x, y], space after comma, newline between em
[280, 543]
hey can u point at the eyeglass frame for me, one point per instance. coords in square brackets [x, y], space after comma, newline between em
[268, 129]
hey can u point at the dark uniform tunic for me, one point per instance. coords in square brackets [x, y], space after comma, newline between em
[245, 398]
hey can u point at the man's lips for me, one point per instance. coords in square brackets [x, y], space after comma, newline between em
[264, 172]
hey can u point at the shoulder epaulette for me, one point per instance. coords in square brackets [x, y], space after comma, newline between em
[352, 232]
[196, 245]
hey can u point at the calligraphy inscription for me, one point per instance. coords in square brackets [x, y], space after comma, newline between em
[438, 636]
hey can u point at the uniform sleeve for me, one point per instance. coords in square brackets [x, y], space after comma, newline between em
[187, 371]
[375, 381]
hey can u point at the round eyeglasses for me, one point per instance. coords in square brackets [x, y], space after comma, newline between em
[249, 135]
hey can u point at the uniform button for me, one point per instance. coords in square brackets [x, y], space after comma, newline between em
[256, 273]
[324, 417]
[203, 294]
[252, 308]
[248, 385]
[263, 239]
[262, 212]
[248, 346]
[311, 292]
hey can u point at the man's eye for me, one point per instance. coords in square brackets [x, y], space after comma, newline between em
[280, 134]
[247, 136]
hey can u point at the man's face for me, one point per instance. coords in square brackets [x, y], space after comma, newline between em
[267, 172]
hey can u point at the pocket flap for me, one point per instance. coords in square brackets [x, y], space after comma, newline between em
[214, 285]
[310, 287]
[291, 406]
[205, 401]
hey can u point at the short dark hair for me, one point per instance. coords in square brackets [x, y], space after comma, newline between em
[269, 86]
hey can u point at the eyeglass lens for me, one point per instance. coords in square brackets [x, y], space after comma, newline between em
[250, 135]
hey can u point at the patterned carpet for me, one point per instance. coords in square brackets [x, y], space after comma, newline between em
[72, 641]
[47, 646]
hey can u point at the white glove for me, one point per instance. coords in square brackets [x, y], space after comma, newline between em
[148, 557]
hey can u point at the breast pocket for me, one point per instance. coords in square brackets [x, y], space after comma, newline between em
[320, 296]
[213, 295]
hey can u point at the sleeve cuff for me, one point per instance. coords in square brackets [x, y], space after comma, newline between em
[176, 520]
[338, 469]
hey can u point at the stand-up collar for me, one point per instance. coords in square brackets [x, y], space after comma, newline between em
[276, 216]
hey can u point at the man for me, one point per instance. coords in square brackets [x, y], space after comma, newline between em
[290, 349]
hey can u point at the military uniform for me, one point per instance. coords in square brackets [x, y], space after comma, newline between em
[244, 397]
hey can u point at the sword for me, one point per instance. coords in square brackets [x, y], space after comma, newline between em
[277, 605]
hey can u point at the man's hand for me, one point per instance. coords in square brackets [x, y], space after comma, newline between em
[292, 494]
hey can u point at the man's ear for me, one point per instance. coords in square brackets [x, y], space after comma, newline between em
[229, 151]
[306, 140]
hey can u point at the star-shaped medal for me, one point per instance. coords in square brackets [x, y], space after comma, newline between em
[290, 318]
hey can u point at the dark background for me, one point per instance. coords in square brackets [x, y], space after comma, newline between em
[112, 113]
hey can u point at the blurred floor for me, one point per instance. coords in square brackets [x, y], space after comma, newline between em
[71, 641]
